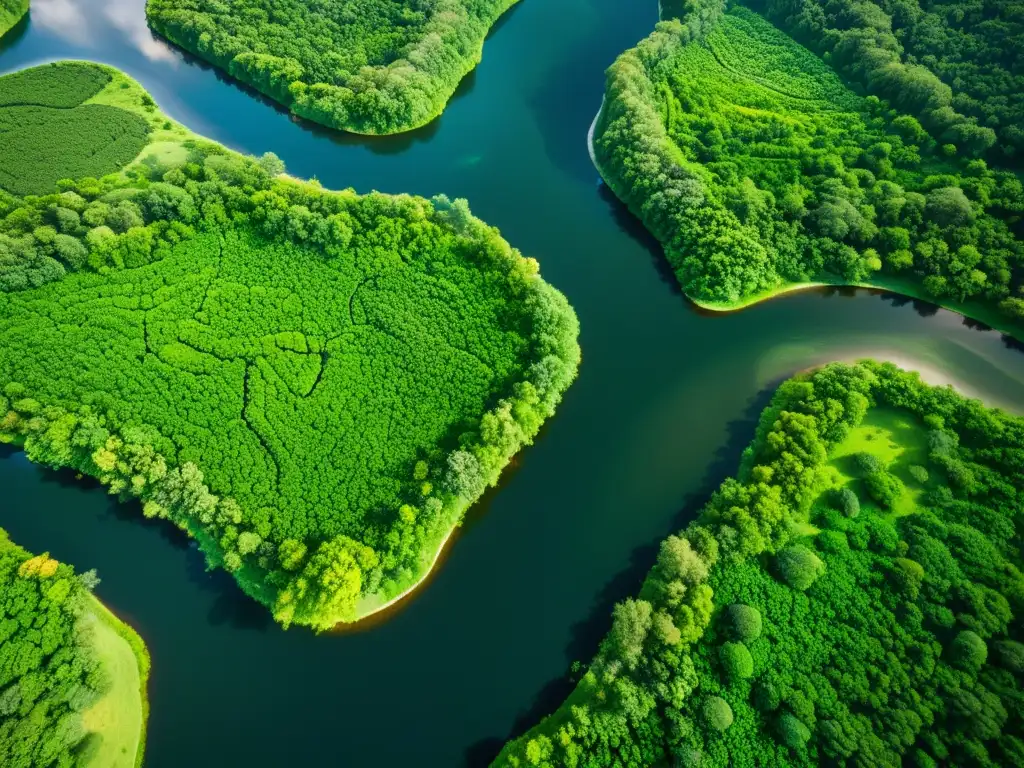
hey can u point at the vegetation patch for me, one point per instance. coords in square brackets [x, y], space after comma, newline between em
[50, 134]
[759, 170]
[367, 66]
[953, 66]
[313, 384]
[803, 619]
[11, 12]
[72, 690]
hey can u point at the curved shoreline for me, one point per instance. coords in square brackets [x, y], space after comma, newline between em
[986, 317]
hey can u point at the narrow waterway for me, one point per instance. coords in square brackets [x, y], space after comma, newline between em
[663, 406]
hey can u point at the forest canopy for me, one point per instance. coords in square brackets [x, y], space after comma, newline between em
[366, 66]
[852, 597]
[53, 673]
[314, 384]
[758, 168]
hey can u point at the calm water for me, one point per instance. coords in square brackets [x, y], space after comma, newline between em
[662, 408]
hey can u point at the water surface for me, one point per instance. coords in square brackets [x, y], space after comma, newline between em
[664, 404]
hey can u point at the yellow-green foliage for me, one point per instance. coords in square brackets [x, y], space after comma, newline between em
[11, 12]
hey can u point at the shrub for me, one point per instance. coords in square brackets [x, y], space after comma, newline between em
[1011, 655]
[884, 488]
[847, 502]
[745, 622]
[794, 734]
[717, 713]
[919, 473]
[737, 661]
[799, 566]
[868, 463]
[968, 651]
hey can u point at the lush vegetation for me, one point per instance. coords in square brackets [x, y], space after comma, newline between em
[11, 12]
[367, 66]
[313, 384]
[954, 66]
[51, 131]
[852, 597]
[54, 669]
[758, 169]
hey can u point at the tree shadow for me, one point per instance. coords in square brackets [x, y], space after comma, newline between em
[586, 635]
[633, 228]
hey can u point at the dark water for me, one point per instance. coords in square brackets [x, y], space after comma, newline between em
[663, 405]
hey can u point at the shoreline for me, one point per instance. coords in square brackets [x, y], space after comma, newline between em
[985, 317]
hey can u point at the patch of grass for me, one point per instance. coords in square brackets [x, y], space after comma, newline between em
[120, 716]
[897, 439]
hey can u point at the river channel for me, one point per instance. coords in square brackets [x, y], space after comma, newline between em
[664, 404]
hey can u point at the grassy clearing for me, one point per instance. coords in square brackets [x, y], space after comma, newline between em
[898, 441]
[120, 716]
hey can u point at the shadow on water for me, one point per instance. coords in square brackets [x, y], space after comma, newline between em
[633, 228]
[586, 635]
[15, 33]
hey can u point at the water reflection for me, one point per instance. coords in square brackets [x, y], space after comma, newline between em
[81, 23]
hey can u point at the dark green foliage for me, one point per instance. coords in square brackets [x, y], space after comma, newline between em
[799, 566]
[370, 66]
[49, 135]
[868, 463]
[745, 622]
[882, 662]
[756, 168]
[953, 66]
[49, 671]
[968, 651]
[315, 385]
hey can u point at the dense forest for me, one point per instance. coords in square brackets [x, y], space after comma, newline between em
[852, 597]
[366, 66]
[11, 12]
[758, 169]
[314, 384]
[956, 67]
[51, 671]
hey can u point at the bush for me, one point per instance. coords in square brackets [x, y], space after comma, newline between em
[868, 463]
[717, 713]
[794, 734]
[737, 661]
[1011, 655]
[847, 502]
[745, 622]
[884, 488]
[968, 651]
[919, 473]
[799, 567]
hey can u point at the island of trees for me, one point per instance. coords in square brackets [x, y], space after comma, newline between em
[72, 675]
[852, 597]
[11, 12]
[315, 385]
[760, 170]
[364, 66]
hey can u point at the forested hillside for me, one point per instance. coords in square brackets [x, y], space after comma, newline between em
[852, 597]
[759, 169]
[11, 12]
[314, 384]
[957, 67]
[53, 676]
[367, 66]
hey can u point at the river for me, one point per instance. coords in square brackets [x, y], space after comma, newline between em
[663, 406]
